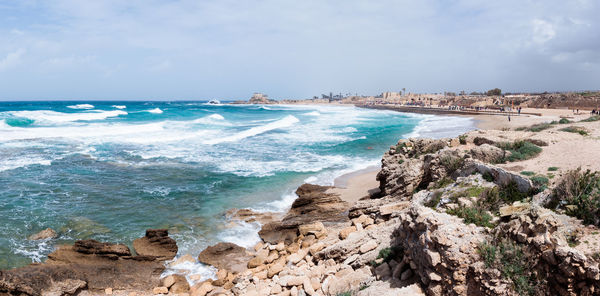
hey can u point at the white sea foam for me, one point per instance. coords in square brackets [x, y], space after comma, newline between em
[313, 113]
[216, 116]
[81, 106]
[119, 106]
[95, 132]
[441, 127]
[46, 116]
[282, 123]
[155, 111]
[13, 162]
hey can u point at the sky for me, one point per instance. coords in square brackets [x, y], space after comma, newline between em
[228, 49]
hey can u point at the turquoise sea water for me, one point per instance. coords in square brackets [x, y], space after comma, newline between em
[110, 170]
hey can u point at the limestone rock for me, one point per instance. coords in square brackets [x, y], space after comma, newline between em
[156, 243]
[160, 290]
[370, 245]
[47, 233]
[225, 256]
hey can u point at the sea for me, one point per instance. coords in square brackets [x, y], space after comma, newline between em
[110, 170]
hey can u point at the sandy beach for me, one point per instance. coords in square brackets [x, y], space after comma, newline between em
[353, 186]
[565, 151]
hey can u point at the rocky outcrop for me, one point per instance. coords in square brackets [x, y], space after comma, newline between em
[89, 265]
[225, 255]
[313, 204]
[488, 153]
[157, 244]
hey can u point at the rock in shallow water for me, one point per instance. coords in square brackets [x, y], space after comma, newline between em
[225, 255]
[156, 243]
[44, 234]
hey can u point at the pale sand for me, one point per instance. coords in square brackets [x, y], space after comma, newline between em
[500, 122]
[356, 185]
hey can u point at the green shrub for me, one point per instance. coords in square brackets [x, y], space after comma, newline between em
[443, 182]
[474, 191]
[400, 161]
[347, 293]
[387, 254]
[511, 193]
[564, 121]
[575, 129]
[553, 169]
[592, 118]
[539, 181]
[509, 258]
[488, 177]
[520, 150]
[579, 192]
[487, 253]
[462, 139]
[539, 127]
[451, 163]
[527, 173]
[474, 215]
[490, 199]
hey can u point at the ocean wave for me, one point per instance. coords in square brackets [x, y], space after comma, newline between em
[119, 106]
[313, 113]
[95, 132]
[46, 116]
[436, 127]
[155, 111]
[81, 106]
[282, 123]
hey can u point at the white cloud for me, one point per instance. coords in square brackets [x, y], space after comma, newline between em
[11, 59]
[543, 31]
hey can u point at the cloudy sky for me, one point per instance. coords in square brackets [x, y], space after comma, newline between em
[148, 49]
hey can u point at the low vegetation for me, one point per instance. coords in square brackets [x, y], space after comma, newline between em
[539, 181]
[475, 215]
[578, 192]
[591, 119]
[509, 258]
[451, 163]
[575, 129]
[527, 173]
[552, 169]
[539, 127]
[519, 150]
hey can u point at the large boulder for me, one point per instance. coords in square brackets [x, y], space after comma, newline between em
[156, 243]
[313, 204]
[227, 256]
[488, 153]
[87, 264]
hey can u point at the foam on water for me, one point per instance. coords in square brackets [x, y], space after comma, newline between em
[167, 171]
[47, 116]
[313, 113]
[282, 123]
[155, 111]
[81, 106]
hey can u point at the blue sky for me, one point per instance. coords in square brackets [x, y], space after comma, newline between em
[72, 49]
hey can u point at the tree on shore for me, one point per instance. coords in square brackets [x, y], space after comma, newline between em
[494, 92]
